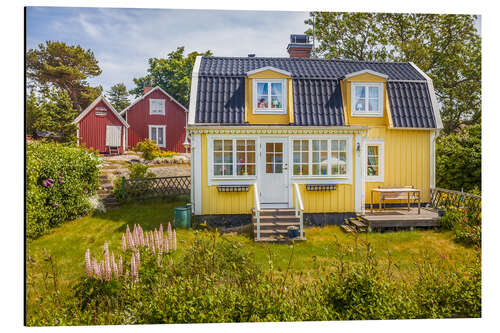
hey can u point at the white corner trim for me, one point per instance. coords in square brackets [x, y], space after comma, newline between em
[269, 110]
[270, 68]
[358, 183]
[164, 134]
[196, 173]
[432, 93]
[432, 167]
[381, 159]
[366, 71]
[366, 113]
[93, 104]
[194, 91]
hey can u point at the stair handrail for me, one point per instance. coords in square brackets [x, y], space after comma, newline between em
[299, 209]
[257, 208]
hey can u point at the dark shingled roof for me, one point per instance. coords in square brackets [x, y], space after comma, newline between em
[316, 91]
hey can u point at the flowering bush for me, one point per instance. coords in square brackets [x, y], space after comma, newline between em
[59, 180]
[150, 150]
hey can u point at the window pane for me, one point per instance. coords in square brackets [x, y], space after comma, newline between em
[324, 145]
[262, 102]
[218, 169]
[359, 92]
[276, 102]
[342, 145]
[153, 133]
[305, 157]
[240, 169]
[373, 92]
[278, 168]
[305, 145]
[342, 170]
[315, 169]
[305, 169]
[228, 170]
[261, 88]
[269, 168]
[240, 158]
[359, 105]
[228, 157]
[315, 157]
[251, 157]
[373, 105]
[296, 145]
[250, 145]
[240, 145]
[296, 169]
[315, 145]
[217, 157]
[335, 145]
[278, 158]
[296, 157]
[342, 157]
[372, 150]
[217, 145]
[278, 147]
[160, 136]
[228, 145]
[276, 89]
[251, 169]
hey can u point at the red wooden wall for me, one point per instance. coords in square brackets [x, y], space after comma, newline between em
[139, 119]
[93, 128]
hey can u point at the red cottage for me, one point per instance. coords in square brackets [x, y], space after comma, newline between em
[158, 116]
[101, 127]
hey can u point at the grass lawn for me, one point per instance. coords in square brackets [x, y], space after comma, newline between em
[67, 244]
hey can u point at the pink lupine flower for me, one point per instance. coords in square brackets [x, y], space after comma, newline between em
[114, 266]
[61, 181]
[129, 238]
[175, 241]
[147, 241]
[124, 243]
[161, 232]
[50, 180]
[88, 268]
[120, 265]
[102, 269]
[138, 258]
[166, 244]
[95, 266]
[45, 183]
[169, 234]
[107, 264]
[133, 268]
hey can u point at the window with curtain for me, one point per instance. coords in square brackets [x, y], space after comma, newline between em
[320, 157]
[233, 157]
[366, 99]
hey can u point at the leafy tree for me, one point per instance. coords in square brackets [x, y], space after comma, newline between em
[67, 67]
[446, 47]
[118, 96]
[458, 160]
[172, 74]
[31, 112]
[54, 113]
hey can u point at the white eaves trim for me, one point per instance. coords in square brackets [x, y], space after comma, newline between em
[270, 68]
[432, 93]
[365, 71]
[94, 103]
[194, 91]
[149, 92]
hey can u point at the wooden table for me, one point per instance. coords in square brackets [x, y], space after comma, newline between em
[401, 190]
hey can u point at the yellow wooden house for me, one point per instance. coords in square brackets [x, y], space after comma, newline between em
[304, 135]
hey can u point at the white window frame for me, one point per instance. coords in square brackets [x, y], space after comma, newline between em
[381, 160]
[347, 177]
[366, 113]
[269, 110]
[151, 100]
[164, 128]
[212, 179]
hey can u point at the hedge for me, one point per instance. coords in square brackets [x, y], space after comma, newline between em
[59, 180]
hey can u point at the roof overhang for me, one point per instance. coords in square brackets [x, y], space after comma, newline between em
[150, 92]
[268, 68]
[93, 104]
[194, 91]
[365, 71]
[270, 129]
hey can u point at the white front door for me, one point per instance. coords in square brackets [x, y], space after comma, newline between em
[273, 180]
[113, 136]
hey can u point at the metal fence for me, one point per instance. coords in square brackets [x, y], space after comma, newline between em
[449, 199]
[145, 188]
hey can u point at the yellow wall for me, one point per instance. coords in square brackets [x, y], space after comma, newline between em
[407, 160]
[365, 121]
[281, 119]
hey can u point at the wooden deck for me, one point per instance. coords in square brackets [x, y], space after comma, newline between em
[401, 218]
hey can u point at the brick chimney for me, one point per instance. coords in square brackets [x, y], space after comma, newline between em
[147, 89]
[299, 46]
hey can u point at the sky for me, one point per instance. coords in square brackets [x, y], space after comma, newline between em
[124, 39]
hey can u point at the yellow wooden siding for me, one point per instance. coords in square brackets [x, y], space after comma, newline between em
[406, 154]
[271, 119]
[337, 201]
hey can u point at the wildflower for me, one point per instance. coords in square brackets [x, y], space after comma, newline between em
[50, 180]
[129, 237]
[45, 183]
[88, 268]
[124, 243]
[120, 266]
[138, 258]
[114, 266]
[55, 204]
[166, 245]
[61, 181]
[133, 268]
[95, 266]
[107, 264]
[169, 233]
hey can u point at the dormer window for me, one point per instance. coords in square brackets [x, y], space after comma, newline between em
[269, 96]
[156, 106]
[366, 99]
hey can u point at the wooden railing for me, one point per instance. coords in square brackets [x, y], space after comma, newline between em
[257, 208]
[145, 188]
[449, 199]
[299, 209]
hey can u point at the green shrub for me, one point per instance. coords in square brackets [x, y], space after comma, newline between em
[59, 181]
[466, 227]
[150, 150]
[450, 219]
[138, 170]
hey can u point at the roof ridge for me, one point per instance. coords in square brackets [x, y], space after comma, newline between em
[309, 59]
